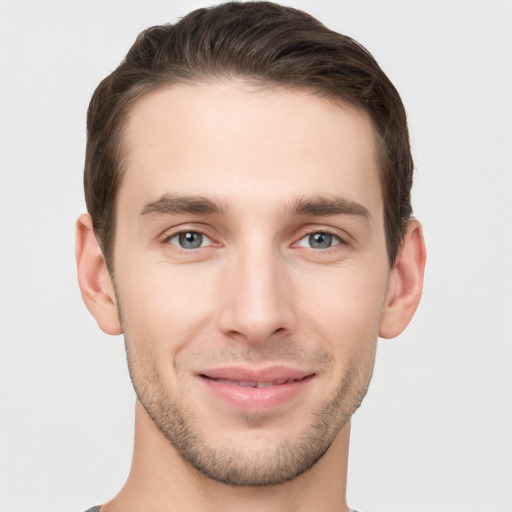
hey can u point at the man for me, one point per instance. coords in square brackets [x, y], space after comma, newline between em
[247, 177]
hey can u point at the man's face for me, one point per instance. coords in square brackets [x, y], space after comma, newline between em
[250, 271]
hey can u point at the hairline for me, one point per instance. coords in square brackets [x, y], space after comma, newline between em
[253, 83]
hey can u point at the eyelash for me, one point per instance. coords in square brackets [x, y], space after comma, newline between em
[334, 239]
[176, 235]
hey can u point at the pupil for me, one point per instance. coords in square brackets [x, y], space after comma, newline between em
[190, 240]
[320, 240]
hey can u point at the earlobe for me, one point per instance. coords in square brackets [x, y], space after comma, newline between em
[93, 278]
[406, 283]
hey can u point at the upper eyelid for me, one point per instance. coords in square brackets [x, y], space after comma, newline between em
[178, 233]
[211, 242]
[171, 232]
[341, 234]
[340, 242]
[323, 231]
[213, 235]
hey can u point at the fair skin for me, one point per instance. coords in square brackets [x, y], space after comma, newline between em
[252, 282]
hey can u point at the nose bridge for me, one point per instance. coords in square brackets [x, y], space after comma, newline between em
[258, 292]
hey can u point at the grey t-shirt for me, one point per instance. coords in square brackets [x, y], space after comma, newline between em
[97, 509]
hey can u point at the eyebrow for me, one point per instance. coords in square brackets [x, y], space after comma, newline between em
[318, 206]
[169, 204]
[325, 205]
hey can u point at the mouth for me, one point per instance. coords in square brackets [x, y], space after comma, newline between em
[256, 384]
[255, 390]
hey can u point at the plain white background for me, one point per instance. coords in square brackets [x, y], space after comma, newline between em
[435, 432]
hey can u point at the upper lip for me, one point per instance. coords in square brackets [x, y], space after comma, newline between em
[274, 374]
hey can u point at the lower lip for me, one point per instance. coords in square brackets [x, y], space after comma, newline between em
[257, 398]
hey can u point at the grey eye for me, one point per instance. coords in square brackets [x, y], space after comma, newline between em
[190, 240]
[319, 240]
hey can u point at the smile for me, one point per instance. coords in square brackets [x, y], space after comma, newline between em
[256, 390]
[254, 384]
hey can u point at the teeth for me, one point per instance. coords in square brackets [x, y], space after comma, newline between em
[251, 384]
[266, 384]
[244, 384]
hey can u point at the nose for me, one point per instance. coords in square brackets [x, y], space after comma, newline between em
[257, 296]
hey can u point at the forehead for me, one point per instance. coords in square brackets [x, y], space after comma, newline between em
[226, 139]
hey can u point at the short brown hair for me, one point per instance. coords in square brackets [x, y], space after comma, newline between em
[264, 43]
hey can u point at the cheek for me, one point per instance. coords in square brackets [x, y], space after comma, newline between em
[346, 310]
[165, 304]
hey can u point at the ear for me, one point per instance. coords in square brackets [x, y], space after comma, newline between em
[406, 283]
[94, 279]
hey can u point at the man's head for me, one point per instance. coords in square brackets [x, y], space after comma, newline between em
[269, 46]
[257, 170]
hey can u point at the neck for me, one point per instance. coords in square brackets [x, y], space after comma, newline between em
[161, 481]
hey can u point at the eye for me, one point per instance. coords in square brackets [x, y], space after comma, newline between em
[190, 240]
[319, 240]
